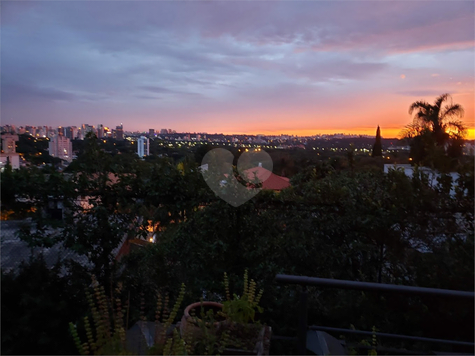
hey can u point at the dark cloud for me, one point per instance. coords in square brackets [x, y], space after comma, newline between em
[18, 93]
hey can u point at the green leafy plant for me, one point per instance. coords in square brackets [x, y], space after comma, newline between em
[240, 313]
[242, 309]
[374, 343]
[107, 334]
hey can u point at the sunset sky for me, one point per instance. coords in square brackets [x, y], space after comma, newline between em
[296, 67]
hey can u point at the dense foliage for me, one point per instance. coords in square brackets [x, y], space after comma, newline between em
[37, 303]
[338, 220]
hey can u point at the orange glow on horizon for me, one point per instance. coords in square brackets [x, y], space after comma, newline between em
[385, 133]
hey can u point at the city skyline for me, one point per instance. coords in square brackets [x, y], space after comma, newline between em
[100, 129]
[299, 68]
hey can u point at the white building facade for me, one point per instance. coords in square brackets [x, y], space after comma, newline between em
[143, 146]
[61, 147]
[9, 154]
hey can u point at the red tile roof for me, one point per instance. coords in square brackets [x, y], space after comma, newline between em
[130, 245]
[269, 180]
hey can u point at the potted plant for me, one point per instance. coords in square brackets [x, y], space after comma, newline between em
[228, 328]
[246, 334]
[191, 324]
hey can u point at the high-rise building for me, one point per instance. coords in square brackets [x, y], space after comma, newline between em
[51, 132]
[143, 146]
[119, 132]
[61, 147]
[30, 130]
[107, 132]
[151, 132]
[40, 132]
[71, 132]
[8, 143]
[8, 154]
[100, 131]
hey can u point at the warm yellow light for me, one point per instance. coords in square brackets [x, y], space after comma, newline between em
[410, 159]
[150, 239]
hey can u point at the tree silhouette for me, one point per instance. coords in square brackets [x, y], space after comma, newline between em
[439, 120]
[377, 147]
[435, 127]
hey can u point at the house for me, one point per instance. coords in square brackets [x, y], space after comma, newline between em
[431, 174]
[270, 181]
[129, 245]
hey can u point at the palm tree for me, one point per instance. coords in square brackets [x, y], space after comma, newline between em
[438, 121]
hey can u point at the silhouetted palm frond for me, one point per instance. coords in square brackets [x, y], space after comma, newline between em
[440, 99]
[455, 110]
[419, 105]
[435, 119]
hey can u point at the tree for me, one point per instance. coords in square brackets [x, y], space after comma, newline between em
[433, 126]
[377, 147]
[38, 302]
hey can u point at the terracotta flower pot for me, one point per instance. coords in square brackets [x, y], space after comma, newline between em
[188, 323]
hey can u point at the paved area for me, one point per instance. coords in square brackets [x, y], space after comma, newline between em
[14, 250]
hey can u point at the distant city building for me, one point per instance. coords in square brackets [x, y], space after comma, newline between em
[71, 132]
[9, 154]
[151, 132]
[398, 148]
[143, 146]
[119, 132]
[50, 132]
[100, 131]
[86, 128]
[29, 130]
[8, 143]
[107, 132]
[61, 147]
[8, 129]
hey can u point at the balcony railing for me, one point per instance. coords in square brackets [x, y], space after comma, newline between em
[303, 327]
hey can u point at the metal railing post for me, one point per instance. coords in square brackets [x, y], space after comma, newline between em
[303, 325]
